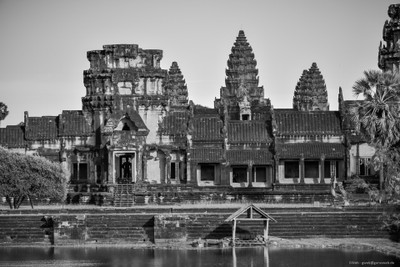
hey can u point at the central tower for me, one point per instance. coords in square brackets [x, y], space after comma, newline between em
[241, 91]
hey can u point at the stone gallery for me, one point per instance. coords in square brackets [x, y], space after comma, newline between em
[137, 126]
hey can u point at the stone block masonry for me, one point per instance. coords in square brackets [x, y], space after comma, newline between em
[158, 226]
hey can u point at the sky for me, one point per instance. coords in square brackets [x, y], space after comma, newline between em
[44, 43]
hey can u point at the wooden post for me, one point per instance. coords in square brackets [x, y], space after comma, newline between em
[266, 226]
[233, 232]
[234, 260]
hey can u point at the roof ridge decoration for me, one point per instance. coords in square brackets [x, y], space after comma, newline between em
[310, 93]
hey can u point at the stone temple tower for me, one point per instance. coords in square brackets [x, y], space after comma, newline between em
[125, 98]
[310, 93]
[176, 87]
[241, 91]
[389, 52]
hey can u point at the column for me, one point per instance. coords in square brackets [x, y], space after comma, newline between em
[138, 166]
[111, 167]
[276, 171]
[302, 171]
[322, 174]
[250, 173]
[168, 168]
[144, 169]
[358, 160]
[188, 172]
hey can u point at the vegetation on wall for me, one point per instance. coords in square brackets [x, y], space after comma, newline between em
[30, 177]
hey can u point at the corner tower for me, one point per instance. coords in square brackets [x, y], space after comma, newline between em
[175, 87]
[389, 52]
[310, 93]
[241, 91]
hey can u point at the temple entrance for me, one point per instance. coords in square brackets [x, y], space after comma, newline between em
[125, 167]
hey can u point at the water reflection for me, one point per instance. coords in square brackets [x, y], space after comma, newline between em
[236, 257]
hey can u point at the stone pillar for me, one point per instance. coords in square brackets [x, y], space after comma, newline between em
[276, 171]
[188, 172]
[181, 170]
[322, 174]
[145, 86]
[139, 160]
[302, 170]
[358, 160]
[168, 168]
[144, 171]
[250, 173]
[111, 168]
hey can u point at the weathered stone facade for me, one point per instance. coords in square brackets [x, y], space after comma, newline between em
[138, 126]
[389, 52]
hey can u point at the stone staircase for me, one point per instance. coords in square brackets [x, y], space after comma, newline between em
[123, 195]
[22, 229]
[136, 226]
[362, 224]
[131, 228]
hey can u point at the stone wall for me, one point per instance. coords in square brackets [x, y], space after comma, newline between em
[171, 225]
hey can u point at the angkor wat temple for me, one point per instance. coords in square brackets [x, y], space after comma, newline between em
[137, 126]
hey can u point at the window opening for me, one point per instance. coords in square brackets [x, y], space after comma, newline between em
[173, 171]
[260, 174]
[291, 169]
[207, 172]
[311, 169]
[239, 174]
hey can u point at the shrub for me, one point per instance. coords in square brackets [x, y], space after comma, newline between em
[24, 176]
[357, 185]
[391, 222]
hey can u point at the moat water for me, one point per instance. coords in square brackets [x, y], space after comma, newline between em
[246, 257]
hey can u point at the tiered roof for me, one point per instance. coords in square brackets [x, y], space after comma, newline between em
[248, 132]
[293, 122]
[73, 123]
[310, 93]
[12, 136]
[41, 128]
[207, 128]
[311, 150]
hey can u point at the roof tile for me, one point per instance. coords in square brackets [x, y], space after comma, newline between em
[243, 156]
[207, 128]
[207, 155]
[41, 128]
[248, 132]
[174, 123]
[311, 150]
[12, 136]
[293, 122]
[73, 123]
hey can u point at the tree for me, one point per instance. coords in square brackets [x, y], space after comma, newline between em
[3, 111]
[24, 176]
[377, 116]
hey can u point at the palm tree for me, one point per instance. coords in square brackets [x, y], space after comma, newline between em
[377, 116]
[3, 111]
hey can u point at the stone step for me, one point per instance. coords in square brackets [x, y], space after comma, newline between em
[121, 235]
[115, 229]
